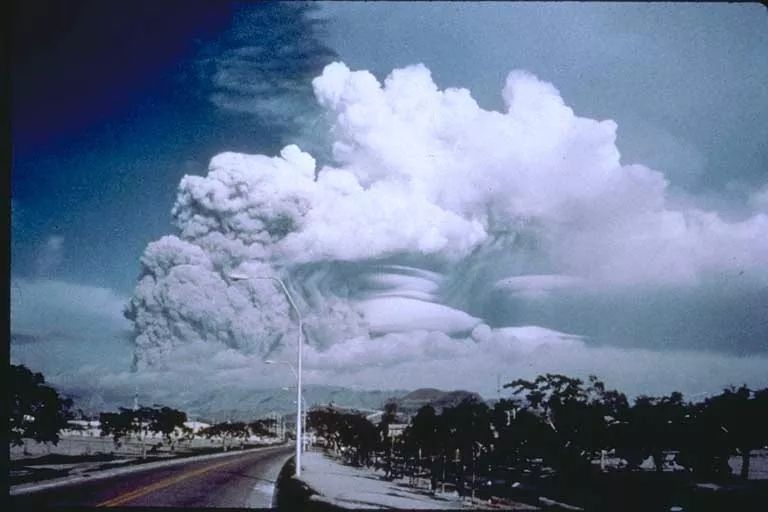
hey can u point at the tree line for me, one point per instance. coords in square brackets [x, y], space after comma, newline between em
[564, 426]
[39, 412]
[169, 423]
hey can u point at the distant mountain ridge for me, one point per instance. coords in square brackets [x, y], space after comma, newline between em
[411, 402]
[237, 404]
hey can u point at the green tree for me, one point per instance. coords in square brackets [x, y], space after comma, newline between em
[579, 415]
[261, 427]
[424, 440]
[423, 433]
[166, 421]
[327, 423]
[520, 433]
[140, 422]
[733, 422]
[650, 427]
[228, 432]
[118, 424]
[359, 434]
[127, 423]
[388, 418]
[37, 410]
[466, 431]
[465, 425]
[352, 432]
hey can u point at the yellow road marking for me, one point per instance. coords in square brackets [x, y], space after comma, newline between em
[124, 498]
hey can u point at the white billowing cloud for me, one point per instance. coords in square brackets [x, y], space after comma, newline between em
[431, 203]
[254, 207]
[531, 161]
[429, 172]
[387, 218]
[537, 163]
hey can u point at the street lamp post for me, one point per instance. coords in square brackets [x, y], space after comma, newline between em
[298, 360]
[303, 402]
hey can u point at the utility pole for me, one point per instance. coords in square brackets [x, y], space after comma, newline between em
[300, 344]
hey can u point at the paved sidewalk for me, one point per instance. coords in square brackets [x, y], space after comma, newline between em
[350, 487]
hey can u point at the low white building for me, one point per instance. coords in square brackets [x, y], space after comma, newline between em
[196, 426]
[396, 429]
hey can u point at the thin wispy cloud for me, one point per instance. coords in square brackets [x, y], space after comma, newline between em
[262, 65]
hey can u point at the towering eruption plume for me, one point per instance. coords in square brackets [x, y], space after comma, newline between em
[432, 203]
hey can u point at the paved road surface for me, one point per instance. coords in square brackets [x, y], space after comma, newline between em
[238, 481]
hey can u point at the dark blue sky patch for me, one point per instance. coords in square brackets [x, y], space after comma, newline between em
[85, 62]
[114, 104]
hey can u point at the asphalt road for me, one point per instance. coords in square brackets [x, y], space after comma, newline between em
[239, 481]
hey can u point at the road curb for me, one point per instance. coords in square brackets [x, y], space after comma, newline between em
[29, 488]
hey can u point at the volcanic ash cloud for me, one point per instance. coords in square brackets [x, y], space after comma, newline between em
[477, 200]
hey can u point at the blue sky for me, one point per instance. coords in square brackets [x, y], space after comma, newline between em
[114, 103]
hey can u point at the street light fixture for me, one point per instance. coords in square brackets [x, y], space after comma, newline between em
[289, 365]
[304, 442]
[241, 277]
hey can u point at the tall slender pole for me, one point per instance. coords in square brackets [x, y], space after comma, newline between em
[299, 432]
[298, 362]
[298, 376]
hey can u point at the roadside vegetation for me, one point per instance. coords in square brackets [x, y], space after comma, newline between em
[569, 439]
[37, 412]
[49, 440]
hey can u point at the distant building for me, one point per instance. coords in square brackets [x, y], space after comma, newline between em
[378, 416]
[396, 429]
[196, 426]
[91, 428]
[84, 424]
